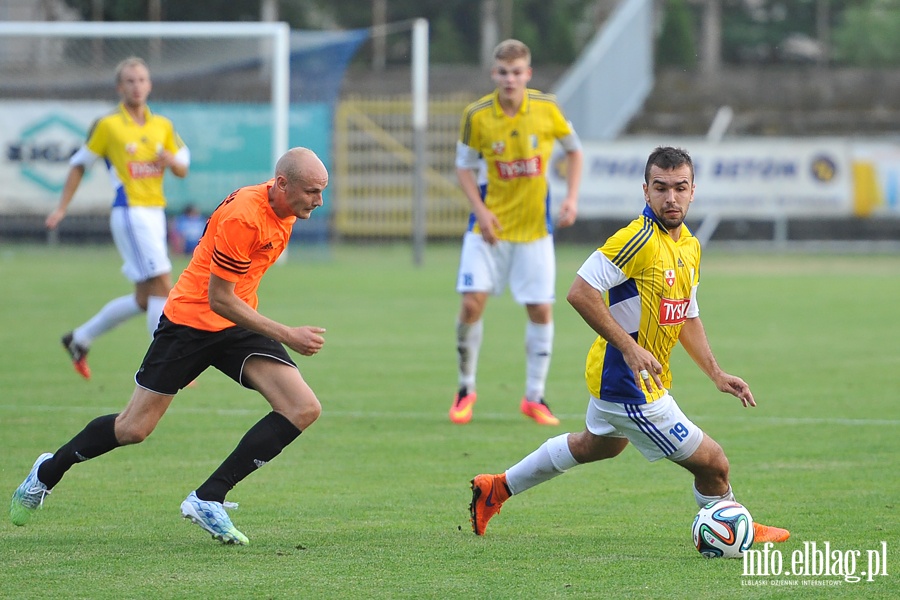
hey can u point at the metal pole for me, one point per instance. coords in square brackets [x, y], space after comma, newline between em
[420, 125]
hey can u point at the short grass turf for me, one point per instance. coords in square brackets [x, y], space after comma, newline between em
[371, 502]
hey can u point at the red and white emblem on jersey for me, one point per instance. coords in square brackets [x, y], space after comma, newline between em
[672, 311]
[529, 167]
[144, 170]
[498, 147]
[670, 277]
[131, 148]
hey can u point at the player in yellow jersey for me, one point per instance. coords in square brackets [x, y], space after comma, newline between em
[649, 271]
[510, 135]
[137, 147]
[211, 320]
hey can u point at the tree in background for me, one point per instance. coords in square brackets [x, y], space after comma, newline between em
[753, 31]
[676, 46]
[868, 35]
[553, 30]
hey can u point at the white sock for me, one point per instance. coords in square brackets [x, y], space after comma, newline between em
[468, 343]
[704, 500]
[538, 348]
[551, 459]
[115, 312]
[154, 312]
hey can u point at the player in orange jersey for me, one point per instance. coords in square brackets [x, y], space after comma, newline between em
[210, 319]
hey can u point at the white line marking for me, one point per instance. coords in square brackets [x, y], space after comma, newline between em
[441, 415]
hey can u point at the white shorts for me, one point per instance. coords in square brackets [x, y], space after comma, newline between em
[528, 268]
[140, 235]
[658, 430]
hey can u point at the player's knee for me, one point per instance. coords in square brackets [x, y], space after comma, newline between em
[471, 309]
[128, 433]
[305, 412]
[717, 468]
[587, 447]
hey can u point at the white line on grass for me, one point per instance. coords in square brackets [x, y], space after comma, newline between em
[436, 415]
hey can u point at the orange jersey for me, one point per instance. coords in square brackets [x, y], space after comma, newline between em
[243, 238]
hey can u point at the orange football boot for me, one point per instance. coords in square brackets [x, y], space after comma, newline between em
[538, 411]
[461, 411]
[764, 533]
[489, 492]
[78, 354]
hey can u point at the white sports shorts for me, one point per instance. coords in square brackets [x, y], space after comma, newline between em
[658, 430]
[529, 268]
[140, 235]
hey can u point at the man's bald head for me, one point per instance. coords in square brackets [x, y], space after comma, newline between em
[300, 180]
[300, 163]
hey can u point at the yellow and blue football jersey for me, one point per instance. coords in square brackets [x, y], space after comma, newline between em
[516, 151]
[130, 151]
[650, 281]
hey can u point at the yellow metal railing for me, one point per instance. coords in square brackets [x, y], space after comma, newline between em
[374, 165]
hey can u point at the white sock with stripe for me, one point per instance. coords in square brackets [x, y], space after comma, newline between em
[538, 348]
[155, 306]
[115, 312]
[704, 500]
[468, 344]
[551, 459]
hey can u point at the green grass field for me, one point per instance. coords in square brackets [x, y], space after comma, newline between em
[371, 502]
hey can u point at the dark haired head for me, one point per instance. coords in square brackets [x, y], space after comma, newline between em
[668, 158]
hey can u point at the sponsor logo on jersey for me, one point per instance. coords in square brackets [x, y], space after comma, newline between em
[670, 277]
[267, 246]
[680, 263]
[144, 170]
[673, 312]
[529, 167]
[498, 147]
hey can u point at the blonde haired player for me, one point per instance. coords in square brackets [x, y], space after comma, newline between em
[137, 147]
[649, 270]
[510, 134]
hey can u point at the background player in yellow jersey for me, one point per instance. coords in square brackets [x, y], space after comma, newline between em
[137, 147]
[650, 272]
[510, 133]
[211, 320]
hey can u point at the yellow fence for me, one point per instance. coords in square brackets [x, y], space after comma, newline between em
[374, 164]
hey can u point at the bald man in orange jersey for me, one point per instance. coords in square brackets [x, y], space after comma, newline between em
[210, 319]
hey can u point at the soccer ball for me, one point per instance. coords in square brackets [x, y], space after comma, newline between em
[723, 529]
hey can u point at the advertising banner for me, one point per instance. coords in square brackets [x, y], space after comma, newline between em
[230, 146]
[738, 178]
[38, 138]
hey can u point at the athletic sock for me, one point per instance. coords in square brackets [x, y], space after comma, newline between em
[263, 442]
[551, 459]
[468, 344]
[113, 313]
[538, 349]
[704, 500]
[155, 306]
[98, 437]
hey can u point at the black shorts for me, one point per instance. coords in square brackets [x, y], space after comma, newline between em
[178, 354]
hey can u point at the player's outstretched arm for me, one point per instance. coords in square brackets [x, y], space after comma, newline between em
[589, 303]
[568, 210]
[306, 340]
[696, 344]
[487, 221]
[73, 180]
